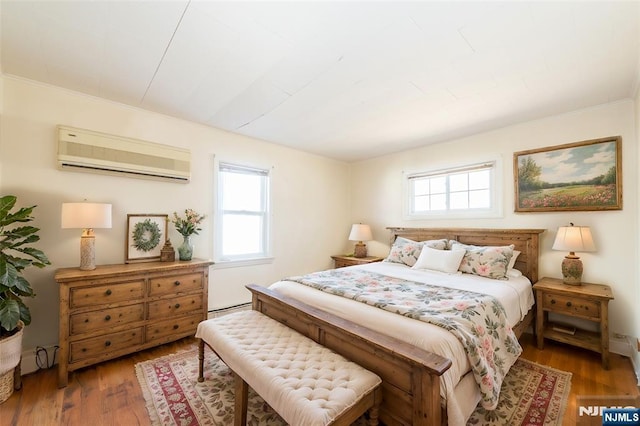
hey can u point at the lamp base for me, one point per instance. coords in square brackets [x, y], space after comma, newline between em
[360, 250]
[87, 253]
[572, 270]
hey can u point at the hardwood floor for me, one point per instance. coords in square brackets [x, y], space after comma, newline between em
[589, 378]
[108, 393]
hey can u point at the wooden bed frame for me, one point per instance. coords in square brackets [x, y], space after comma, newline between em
[411, 376]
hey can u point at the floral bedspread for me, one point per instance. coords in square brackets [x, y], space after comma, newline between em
[477, 320]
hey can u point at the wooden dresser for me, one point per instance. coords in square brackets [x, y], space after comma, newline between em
[119, 309]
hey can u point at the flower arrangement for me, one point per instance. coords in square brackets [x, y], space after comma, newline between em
[189, 224]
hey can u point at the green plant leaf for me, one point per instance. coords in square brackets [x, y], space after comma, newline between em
[8, 274]
[22, 288]
[9, 314]
[37, 254]
[22, 215]
[6, 204]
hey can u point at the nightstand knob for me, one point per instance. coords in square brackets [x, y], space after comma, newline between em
[175, 327]
[569, 304]
[107, 343]
[108, 292]
[177, 305]
[177, 283]
[107, 318]
[553, 302]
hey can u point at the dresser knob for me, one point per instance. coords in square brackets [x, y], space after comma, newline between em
[177, 283]
[569, 304]
[107, 343]
[177, 305]
[108, 292]
[107, 318]
[175, 327]
[553, 302]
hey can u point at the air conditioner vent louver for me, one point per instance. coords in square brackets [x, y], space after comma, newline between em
[89, 151]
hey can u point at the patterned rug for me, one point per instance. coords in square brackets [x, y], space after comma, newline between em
[531, 394]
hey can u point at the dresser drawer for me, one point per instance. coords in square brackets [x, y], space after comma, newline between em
[163, 330]
[174, 307]
[104, 294]
[99, 346]
[105, 318]
[175, 284]
[571, 305]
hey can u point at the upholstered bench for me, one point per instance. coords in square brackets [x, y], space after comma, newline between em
[304, 382]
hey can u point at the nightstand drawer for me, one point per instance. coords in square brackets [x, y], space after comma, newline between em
[339, 263]
[571, 305]
[343, 261]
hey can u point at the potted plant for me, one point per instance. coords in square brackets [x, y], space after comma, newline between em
[16, 255]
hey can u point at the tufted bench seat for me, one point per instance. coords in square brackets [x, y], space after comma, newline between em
[304, 382]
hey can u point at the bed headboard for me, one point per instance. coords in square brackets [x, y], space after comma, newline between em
[525, 240]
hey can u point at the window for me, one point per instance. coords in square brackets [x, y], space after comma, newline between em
[242, 231]
[467, 191]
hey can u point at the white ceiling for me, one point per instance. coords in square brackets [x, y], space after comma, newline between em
[347, 80]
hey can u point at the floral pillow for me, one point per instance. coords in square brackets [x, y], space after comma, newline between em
[486, 261]
[407, 251]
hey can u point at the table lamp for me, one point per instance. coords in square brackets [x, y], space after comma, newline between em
[573, 239]
[360, 233]
[86, 216]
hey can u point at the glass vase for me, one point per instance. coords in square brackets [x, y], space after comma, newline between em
[185, 251]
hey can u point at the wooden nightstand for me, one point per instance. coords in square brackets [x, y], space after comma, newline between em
[586, 301]
[341, 261]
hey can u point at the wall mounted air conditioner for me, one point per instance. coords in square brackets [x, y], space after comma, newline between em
[89, 151]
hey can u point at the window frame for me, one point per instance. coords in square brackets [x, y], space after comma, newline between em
[495, 188]
[265, 255]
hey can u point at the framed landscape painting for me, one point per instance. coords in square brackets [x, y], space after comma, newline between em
[578, 176]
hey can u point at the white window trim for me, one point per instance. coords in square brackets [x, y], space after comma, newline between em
[220, 263]
[496, 210]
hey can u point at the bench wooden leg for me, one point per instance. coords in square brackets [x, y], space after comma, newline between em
[201, 361]
[240, 413]
[373, 415]
[374, 411]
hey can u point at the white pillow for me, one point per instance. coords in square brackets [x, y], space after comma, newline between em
[439, 260]
[512, 262]
[513, 273]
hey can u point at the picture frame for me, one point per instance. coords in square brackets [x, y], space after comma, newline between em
[146, 235]
[578, 176]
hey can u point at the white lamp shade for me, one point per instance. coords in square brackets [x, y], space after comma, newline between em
[360, 232]
[86, 215]
[574, 238]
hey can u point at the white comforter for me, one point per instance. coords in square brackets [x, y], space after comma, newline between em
[458, 387]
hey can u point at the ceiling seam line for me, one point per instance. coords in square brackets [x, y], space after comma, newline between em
[153, 77]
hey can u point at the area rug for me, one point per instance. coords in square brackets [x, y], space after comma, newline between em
[531, 394]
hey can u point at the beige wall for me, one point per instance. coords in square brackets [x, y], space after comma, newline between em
[377, 197]
[310, 199]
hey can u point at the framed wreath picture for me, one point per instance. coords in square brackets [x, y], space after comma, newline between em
[146, 234]
[579, 176]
